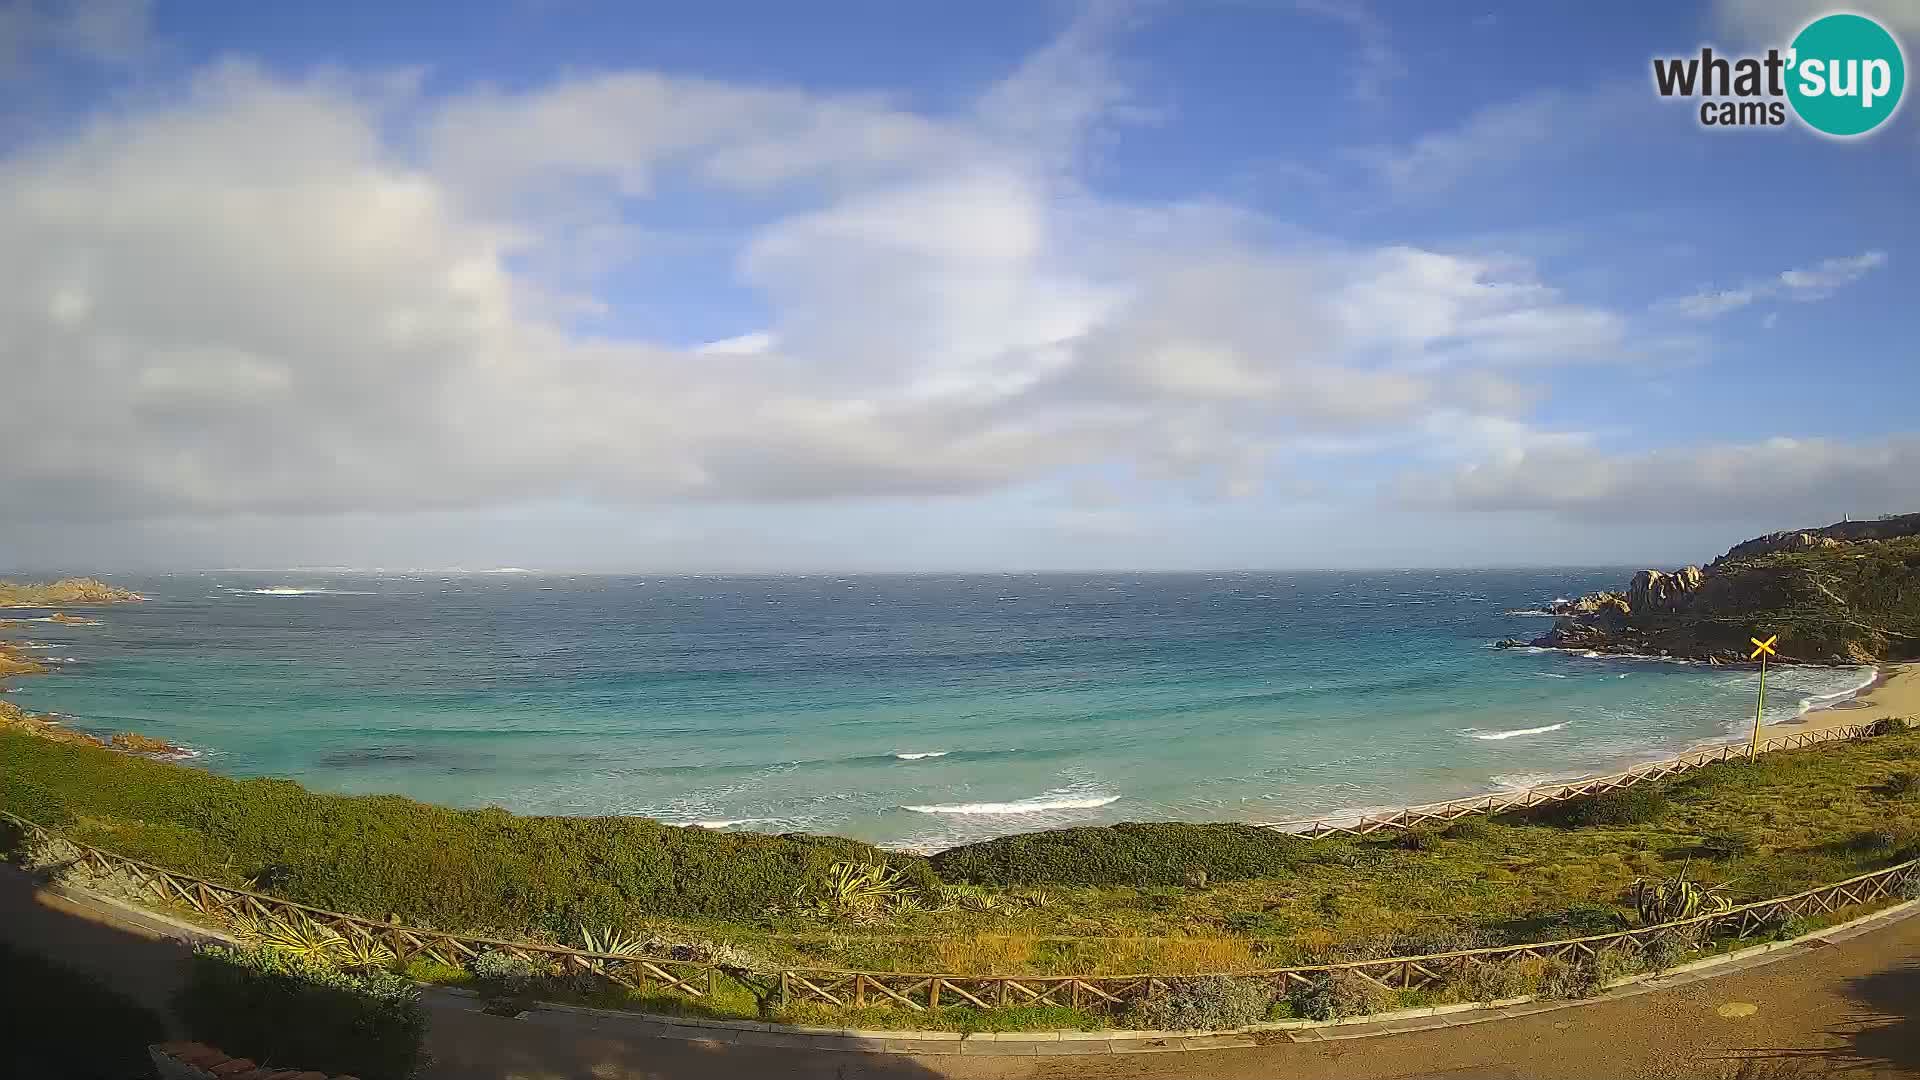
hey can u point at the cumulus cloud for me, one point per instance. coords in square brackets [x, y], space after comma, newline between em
[1816, 282]
[266, 295]
[1782, 479]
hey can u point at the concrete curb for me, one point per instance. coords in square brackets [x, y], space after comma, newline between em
[1056, 1043]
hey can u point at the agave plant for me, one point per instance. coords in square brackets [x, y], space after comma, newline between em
[612, 941]
[970, 898]
[359, 951]
[297, 936]
[1675, 898]
[859, 891]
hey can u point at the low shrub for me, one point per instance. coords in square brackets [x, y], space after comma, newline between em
[1903, 783]
[1585, 920]
[1417, 840]
[1665, 951]
[1139, 854]
[1205, 1003]
[288, 1012]
[1785, 927]
[1474, 827]
[505, 971]
[1566, 979]
[1910, 887]
[1869, 841]
[1495, 980]
[1338, 995]
[479, 870]
[1724, 845]
[1640, 805]
[62, 1023]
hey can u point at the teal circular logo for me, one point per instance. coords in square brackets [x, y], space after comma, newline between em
[1845, 74]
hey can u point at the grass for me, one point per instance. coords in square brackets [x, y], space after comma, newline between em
[1791, 821]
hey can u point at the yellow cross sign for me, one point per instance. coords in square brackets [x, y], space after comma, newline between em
[1761, 650]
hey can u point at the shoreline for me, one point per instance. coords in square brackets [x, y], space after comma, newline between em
[1893, 688]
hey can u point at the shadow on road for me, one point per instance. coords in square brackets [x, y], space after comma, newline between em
[148, 968]
[1888, 1035]
[477, 1046]
[1881, 1039]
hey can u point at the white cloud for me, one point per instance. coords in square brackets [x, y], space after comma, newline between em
[1499, 138]
[1775, 21]
[1816, 282]
[263, 302]
[1378, 64]
[1781, 479]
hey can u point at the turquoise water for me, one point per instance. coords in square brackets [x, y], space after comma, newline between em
[911, 710]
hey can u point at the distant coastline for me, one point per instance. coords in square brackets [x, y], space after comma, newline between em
[909, 712]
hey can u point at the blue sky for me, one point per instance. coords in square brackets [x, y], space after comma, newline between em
[743, 286]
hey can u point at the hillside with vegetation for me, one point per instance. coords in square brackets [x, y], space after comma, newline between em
[1167, 897]
[1848, 593]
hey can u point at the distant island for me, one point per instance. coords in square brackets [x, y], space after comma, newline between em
[63, 593]
[1848, 593]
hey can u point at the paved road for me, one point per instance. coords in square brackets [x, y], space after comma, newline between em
[1849, 1009]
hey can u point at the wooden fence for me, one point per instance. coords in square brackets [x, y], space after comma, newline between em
[918, 992]
[1442, 812]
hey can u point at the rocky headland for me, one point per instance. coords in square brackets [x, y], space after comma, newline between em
[67, 592]
[1848, 593]
[14, 662]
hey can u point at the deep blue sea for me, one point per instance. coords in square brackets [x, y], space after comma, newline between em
[910, 710]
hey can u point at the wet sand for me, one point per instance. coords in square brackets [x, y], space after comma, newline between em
[1894, 692]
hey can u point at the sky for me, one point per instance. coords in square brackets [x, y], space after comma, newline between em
[769, 287]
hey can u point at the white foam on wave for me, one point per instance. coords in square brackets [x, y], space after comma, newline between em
[724, 823]
[1552, 675]
[1531, 613]
[1035, 805]
[289, 590]
[1867, 675]
[1497, 736]
[923, 754]
[1524, 781]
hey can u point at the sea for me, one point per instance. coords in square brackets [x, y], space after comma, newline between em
[914, 711]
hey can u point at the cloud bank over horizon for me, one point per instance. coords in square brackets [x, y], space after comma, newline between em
[250, 292]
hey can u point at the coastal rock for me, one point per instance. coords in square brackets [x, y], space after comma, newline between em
[1652, 592]
[1845, 594]
[63, 593]
[14, 718]
[74, 620]
[12, 663]
[143, 744]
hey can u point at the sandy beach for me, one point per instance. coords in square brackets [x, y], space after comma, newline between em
[1895, 692]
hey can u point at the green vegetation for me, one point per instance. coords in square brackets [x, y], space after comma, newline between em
[385, 855]
[1206, 1003]
[62, 1023]
[1159, 853]
[1178, 899]
[1639, 805]
[289, 1011]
